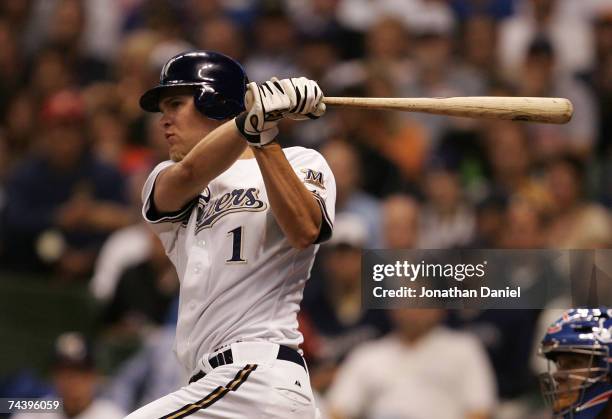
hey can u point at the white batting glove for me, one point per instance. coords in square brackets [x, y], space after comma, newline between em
[267, 103]
[306, 98]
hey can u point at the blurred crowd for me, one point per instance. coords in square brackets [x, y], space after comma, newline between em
[75, 149]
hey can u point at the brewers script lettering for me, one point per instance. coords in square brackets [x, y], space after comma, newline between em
[209, 211]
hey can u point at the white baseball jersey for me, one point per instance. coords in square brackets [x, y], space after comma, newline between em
[240, 278]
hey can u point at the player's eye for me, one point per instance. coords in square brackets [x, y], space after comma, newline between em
[173, 103]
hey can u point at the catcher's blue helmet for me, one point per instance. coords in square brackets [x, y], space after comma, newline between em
[583, 390]
[219, 83]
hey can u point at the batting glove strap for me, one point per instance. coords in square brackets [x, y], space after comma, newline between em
[254, 138]
[267, 105]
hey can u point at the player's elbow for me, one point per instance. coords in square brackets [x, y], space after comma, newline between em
[184, 173]
[304, 238]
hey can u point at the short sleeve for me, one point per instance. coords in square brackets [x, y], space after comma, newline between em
[165, 225]
[318, 178]
[149, 212]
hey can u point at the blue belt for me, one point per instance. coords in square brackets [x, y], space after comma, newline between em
[285, 353]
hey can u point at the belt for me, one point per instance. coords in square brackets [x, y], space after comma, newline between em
[285, 353]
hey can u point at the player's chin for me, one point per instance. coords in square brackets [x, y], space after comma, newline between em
[176, 155]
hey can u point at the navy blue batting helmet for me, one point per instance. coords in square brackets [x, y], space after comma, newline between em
[219, 83]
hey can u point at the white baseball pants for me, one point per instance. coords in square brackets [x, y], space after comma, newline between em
[255, 385]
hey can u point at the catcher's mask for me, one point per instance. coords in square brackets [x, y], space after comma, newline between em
[578, 347]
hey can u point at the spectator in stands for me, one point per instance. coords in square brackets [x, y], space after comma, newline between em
[17, 13]
[76, 382]
[523, 227]
[274, 51]
[221, 34]
[399, 137]
[600, 80]
[388, 69]
[569, 33]
[507, 336]
[316, 57]
[360, 15]
[343, 161]
[196, 12]
[576, 223]
[61, 201]
[18, 126]
[144, 293]
[109, 138]
[361, 128]
[509, 156]
[436, 77]
[132, 73]
[478, 47]
[490, 219]
[422, 370]
[511, 163]
[600, 77]
[50, 73]
[126, 247]
[386, 54]
[539, 77]
[61, 26]
[318, 20]
[446, 221]
[400, 218]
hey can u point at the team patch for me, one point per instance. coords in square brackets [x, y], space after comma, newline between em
[211, 210]
[314, 178]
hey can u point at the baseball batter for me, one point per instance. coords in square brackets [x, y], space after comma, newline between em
[240, 218]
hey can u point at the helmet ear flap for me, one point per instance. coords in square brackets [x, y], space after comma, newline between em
[203, 99]
[212, 105]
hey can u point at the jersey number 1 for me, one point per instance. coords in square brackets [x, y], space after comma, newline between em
[236, 245]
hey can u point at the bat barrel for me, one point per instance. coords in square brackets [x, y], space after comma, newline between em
[531, 109]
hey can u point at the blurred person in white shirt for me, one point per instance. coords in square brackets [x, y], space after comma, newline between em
[421, 371]
[570, 34]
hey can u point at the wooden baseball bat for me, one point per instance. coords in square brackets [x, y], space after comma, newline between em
[531, 109]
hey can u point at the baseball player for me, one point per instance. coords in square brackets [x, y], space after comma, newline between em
[578, 346]
[240, 218]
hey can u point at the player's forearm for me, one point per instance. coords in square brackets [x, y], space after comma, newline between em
[214, 154]
[293, 206]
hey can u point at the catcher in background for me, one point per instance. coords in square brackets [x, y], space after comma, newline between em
[240, 218]
[578, 384]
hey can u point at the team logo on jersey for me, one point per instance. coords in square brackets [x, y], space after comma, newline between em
[314, 178]
[211, 210]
